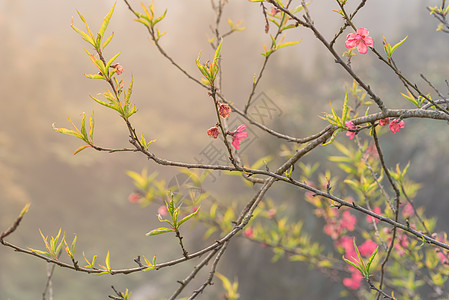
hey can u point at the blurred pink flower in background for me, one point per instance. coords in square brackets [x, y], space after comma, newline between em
[134, 198]
[162, 210]
[248, 232]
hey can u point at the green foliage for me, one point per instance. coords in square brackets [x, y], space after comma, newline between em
[150, 21]
[389, 49]
[335, 120]
[277, 45]
[80, 133]
[53, 246]
[231, 288]
[174, 223]
[359, 264]
[96, 42]
[210, 70]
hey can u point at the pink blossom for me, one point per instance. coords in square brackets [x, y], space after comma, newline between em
[238, 136]
[401, 244]
[441, 256]
[367, 248]
[408, 211]
[271, 213]
[348, 221]
[383, 122]
[354, 282]
[162, 210]
[372, 151]
[370, 219]
[248, 232]
[213, 132]
[274, 11]
[332, 229]
[396, 125]
[134, 197]
[360, 40]
[224, 110]
[119, 69]
[350, 125]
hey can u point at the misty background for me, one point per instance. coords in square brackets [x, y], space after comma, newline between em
[42, 62]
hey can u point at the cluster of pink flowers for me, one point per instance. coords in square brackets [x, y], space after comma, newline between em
[336, 226]
[395, 126]
[237, 135]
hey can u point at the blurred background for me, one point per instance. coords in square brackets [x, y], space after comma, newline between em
[43, 61]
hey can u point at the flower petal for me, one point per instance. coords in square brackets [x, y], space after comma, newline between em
[363, 32]
[241, 128]
[361, 47]
[369, 41]
[236, 143]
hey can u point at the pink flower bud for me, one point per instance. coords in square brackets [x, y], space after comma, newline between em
[224, 110]
[213, 132]
[383, 122]
[134, 198]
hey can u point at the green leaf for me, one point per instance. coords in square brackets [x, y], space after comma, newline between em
[67, 131]
[188, 217]
[94, 76]
[91, 125]
[85, 37]
[334, 135]
[72, 247]
[158, 231]
[398, 44]
[345, 109]
[335, 116]
[286, 44]
[83, 127]
[108, 263]
[40, 252]
[157, 20]
[218, 51]
[104, 25]
[370, 260]
[80, 149]
[104, 103]
[112, 60]
[353, 264]
[107, 41]
[24, 210]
